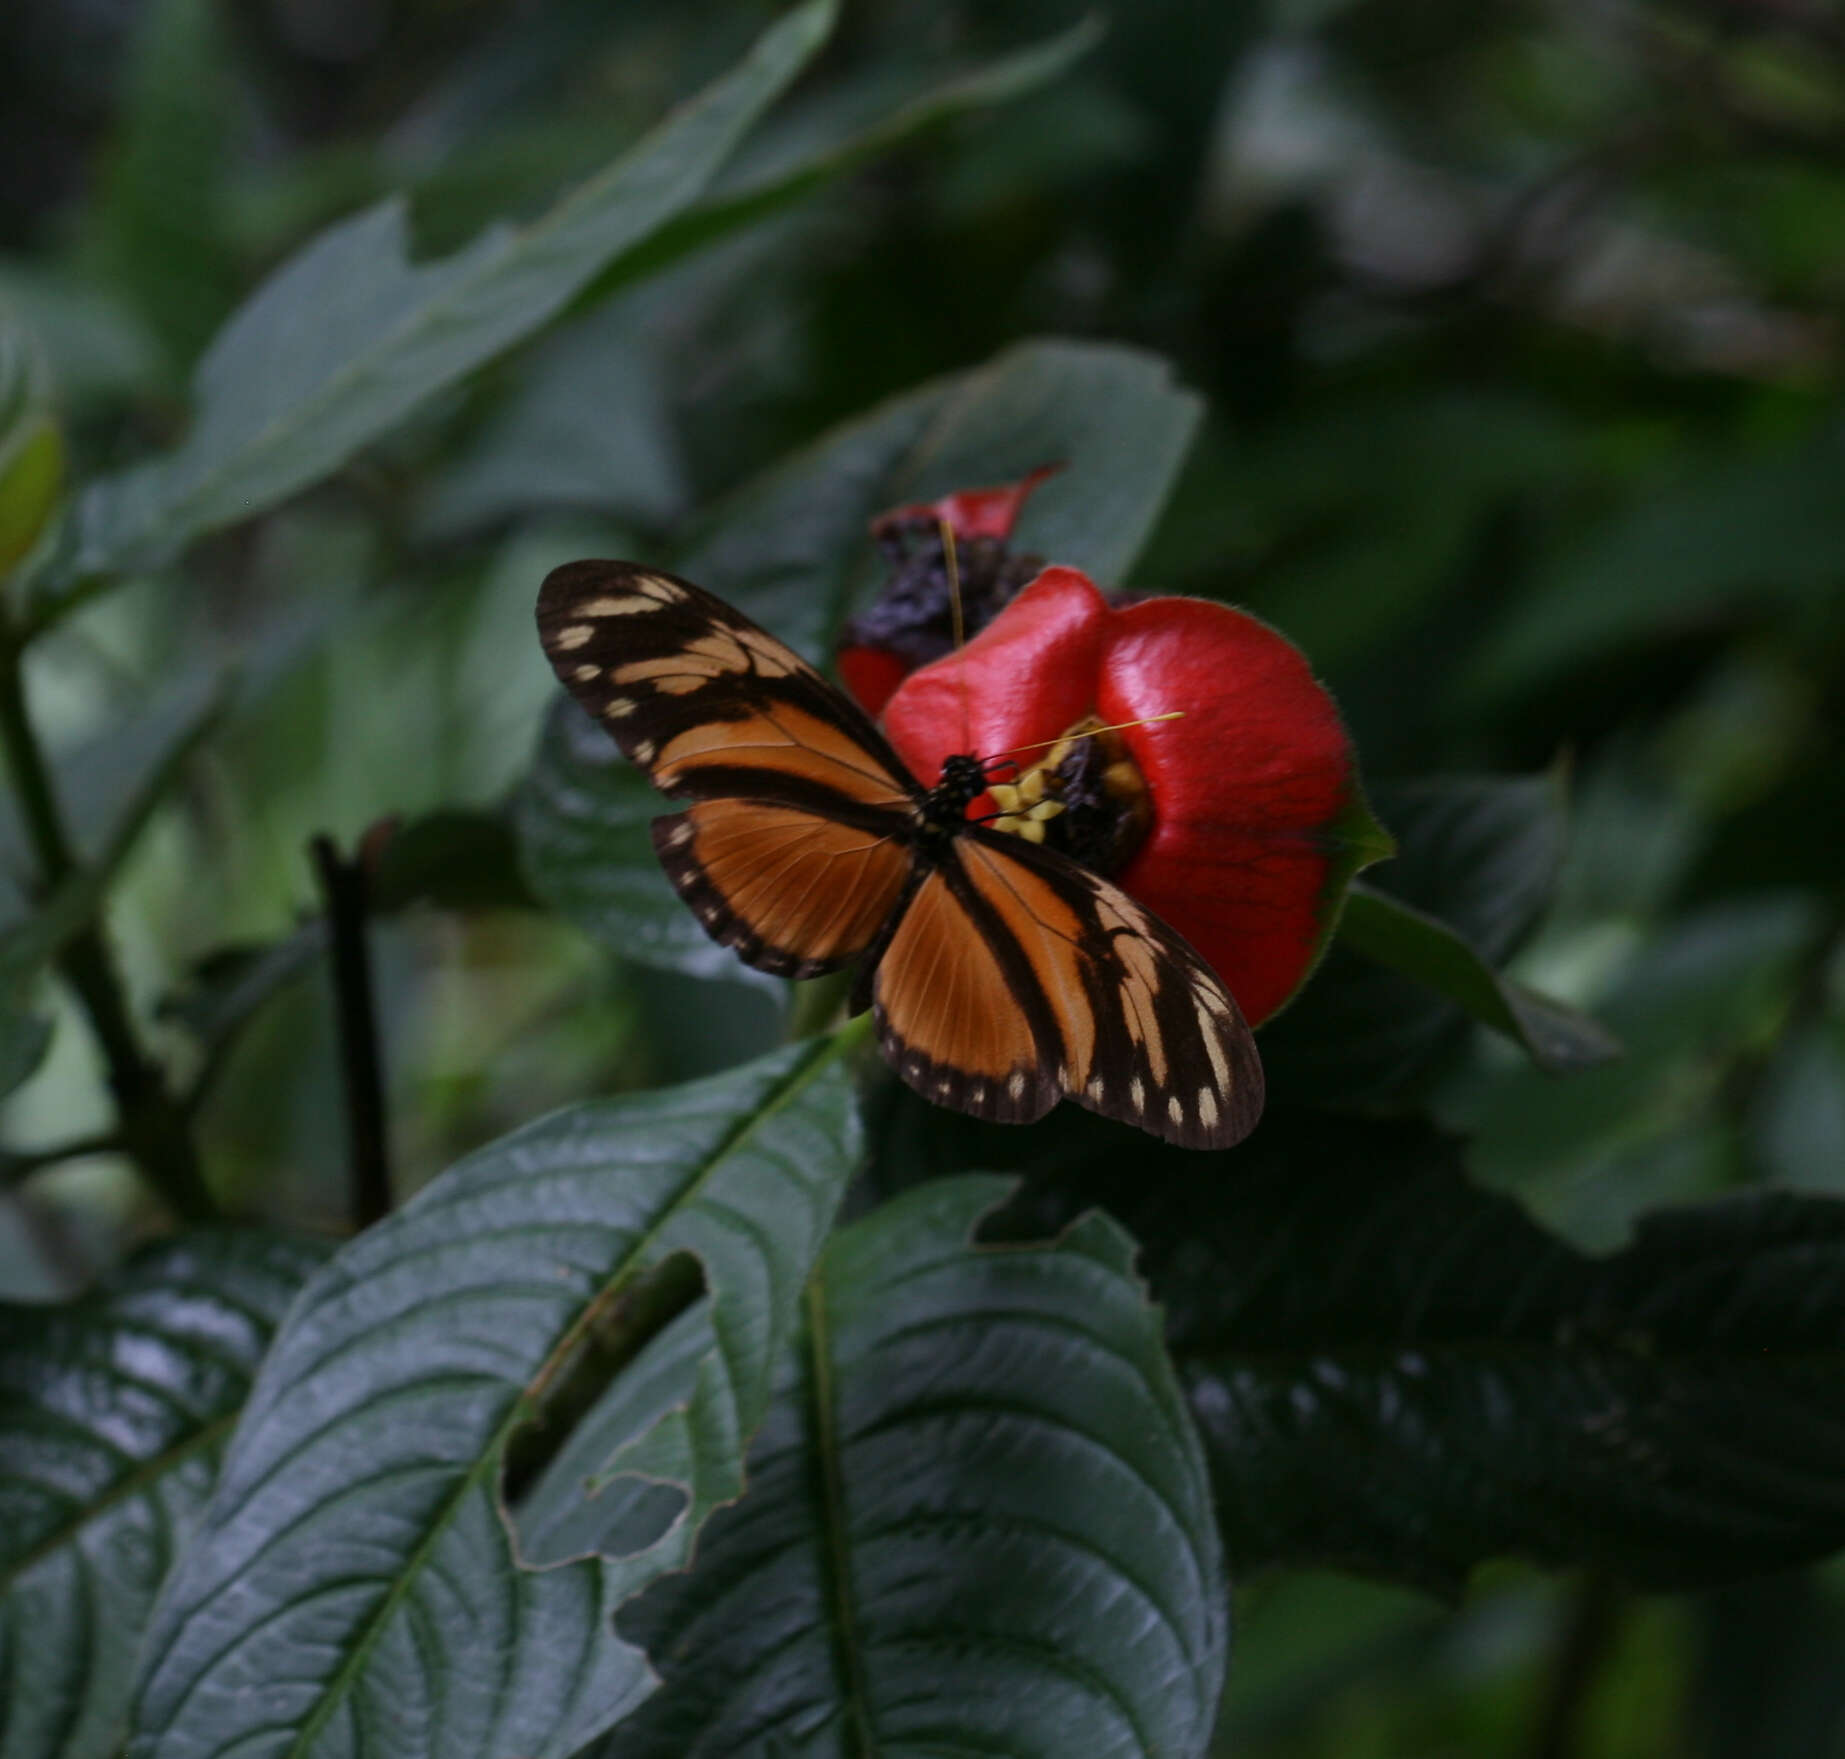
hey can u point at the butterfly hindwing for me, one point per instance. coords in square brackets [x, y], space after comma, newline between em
[795, 851]
[791, 892]
[1017, 978]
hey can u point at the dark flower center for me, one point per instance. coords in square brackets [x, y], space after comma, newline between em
[912, 616]
[1086, 799]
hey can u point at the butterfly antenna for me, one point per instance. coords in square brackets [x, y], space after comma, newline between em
[960, 630]
[1176, 714]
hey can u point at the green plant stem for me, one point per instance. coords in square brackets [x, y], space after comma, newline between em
[152, 1126]
[818, 1004]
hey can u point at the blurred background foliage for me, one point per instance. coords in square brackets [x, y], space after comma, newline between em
[1519, 333]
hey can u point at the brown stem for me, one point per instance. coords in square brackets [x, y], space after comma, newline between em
[343, 890]
[152, 1125]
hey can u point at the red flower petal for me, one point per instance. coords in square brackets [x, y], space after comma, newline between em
[1258, 821]
[1247, 789]
[1029, 675]
[871, 675]
[973, 512]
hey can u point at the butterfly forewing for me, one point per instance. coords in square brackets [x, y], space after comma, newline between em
[708, 703]
[796, 849]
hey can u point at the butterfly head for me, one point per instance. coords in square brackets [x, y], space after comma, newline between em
[964, 780]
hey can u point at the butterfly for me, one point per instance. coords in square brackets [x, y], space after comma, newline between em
[1002, 976]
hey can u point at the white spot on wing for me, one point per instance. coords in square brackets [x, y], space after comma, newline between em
[1015, 1086]
[618, 707]
[586, 674]
[571, 637]
[627, 604]
[1138, 1094]
[1207, 1108]
[1211, 1029]
[1174, 1110]
[1098, 1088]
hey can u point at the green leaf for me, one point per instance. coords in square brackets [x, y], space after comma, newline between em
[978, 1518]
[759, 191]
[1556, 1037]
[354, 1558]
[98, 782]
[454, 860]
[31, 444]
[113, 1413]
[1477, 854]
[225, 989]
[1734, 540]
[349, 337]
[156, 230]
[589, 428]
[28, 945]
[25, 1040]
[792, 546]
[1701, 1002]
[1400, 1374]
[792, 549]
[98, 349]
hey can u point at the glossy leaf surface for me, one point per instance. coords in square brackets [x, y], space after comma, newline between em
[977, 1519]
[355, 1561]
[114, 1413]
[1398, 1373]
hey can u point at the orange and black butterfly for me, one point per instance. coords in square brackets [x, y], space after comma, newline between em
[1003, 976]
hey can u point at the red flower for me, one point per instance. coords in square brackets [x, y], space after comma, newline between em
[1240, 823]
[911, 623]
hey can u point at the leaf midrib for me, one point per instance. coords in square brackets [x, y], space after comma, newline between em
[131, 1484]
[519, 1409]
[277, 431]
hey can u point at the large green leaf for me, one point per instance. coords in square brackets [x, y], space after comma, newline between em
[590, 425]
[1398, 1373]
[816, 149]
[792, 549]
[113, 1413]
[1478, 855]
[1697, 1008]
[1732, 541]
[978, 1518]
[354, 1559]
[1557, 1038]
[350, 336]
